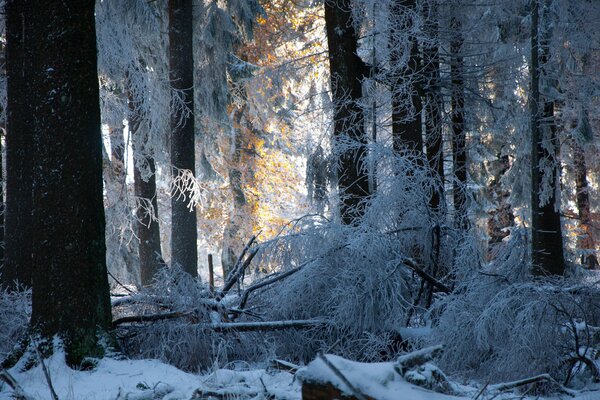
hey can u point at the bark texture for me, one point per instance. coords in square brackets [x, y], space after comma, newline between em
[459, 140]
[70, 287]
[349, 137]
[406, 88]
[144, 184]
[17, 265]
[546, 231]
[181, 68]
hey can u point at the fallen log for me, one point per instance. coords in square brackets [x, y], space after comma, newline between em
[416, 358]
[224, 326]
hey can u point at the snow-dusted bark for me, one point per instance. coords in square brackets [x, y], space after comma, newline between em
[70, 286]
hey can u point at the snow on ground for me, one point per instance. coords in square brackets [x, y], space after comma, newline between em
[144, 379]
[152, 379]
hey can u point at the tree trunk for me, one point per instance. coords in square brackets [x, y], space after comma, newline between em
[184, 249]
[407, 131]
[434, 104]
[19, 136]
[144, 184]
[459, 142]
[346, 71]
[546, 232]
[585, 238]
[70, 286]
[502, 216]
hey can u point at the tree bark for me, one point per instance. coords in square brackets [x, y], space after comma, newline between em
[144, 184]
[459, 142]
[546, 231]
[585, 239]
[407, 129]
[70, 295]
[184, 234]
[17, 265]
[434, 104]
[349, 136]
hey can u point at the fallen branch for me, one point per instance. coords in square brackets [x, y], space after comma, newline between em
[18, 392]
[424, 275]
[263, 326]
[416, 358]
[267, 282]
[224, 326]
[546, 378]
[151, 317]
[282, 365]
[238, 269]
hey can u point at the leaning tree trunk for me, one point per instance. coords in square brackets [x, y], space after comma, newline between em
[184, 249]
[459, 142]
[407, 132]
[546, 231]
[70, 286]
[19, 144]
[349, 136]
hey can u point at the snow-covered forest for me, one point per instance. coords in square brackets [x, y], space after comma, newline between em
[300, 199]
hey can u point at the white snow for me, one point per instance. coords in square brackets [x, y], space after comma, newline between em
[152, 379]
[377, 380]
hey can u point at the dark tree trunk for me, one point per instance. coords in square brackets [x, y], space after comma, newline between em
[70, 285]
[407, 131]
[459, 142]
[502, 216]
[19, 144]
[546, 232]
[585, 238]
[181, 67]
[434, 104]
[346, 70]
[144, 185]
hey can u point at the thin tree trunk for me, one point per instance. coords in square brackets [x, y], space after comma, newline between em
[346, 71]
[144, 184]
[546, 237]
[434, 104]
[70, 286]
[407, 129]
[585, 239]
[184, 234]
[459, 142]
[19, 136]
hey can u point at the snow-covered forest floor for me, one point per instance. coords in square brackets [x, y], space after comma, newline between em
[120, 379]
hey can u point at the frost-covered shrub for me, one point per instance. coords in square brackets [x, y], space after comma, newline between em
[15, 310]
[503, 324]
[354, 277]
